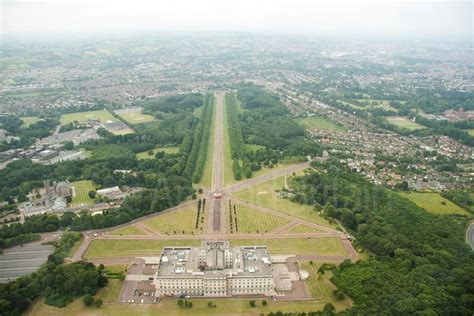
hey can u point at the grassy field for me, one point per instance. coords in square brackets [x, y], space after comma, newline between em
[371, 104]
[322, 288]
[136, 117]
[82, 189]
[304, 229]
[111, 292]
[28, 120]
[197, 111]
[144, 154]
[175, 222]
[227, 306]
[384, 104]
[299, 246]
[250, 220]
[107, 248]
[116, 268]
[403, 122]
[124, 131]
[264, 195]
[206, 179]
[319, 123]
[128, 230]
[434, 203]
[104, 248]
[101, 115]
[471, 132]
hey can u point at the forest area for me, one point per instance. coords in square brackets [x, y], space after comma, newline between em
[421, 264]
[264, 122]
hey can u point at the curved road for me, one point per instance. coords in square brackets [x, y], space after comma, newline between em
[470, 235]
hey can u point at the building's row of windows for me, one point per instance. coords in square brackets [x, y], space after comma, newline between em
[220, 284]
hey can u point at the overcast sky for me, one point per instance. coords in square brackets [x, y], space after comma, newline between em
[444, 19]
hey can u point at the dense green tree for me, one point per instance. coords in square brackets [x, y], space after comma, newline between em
[421, 262]
[88, 300]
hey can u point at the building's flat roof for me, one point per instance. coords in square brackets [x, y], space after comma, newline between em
[187, 262]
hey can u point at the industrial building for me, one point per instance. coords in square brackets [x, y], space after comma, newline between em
[53, 199]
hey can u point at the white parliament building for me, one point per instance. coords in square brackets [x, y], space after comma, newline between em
[214, 270]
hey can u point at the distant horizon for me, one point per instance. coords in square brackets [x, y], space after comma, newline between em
[7, 40]
[366, 19]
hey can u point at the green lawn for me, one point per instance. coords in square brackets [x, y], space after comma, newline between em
[322, 288]
[403, 122]
[320, 123]
[370, 104]
[434, 203]
[124, 131]
[264, 195]
[299, 246]
[471, 132]
[304, 229]
[197, 111]
[87, 153]
[116, 268]
[384, 104]
[206, 179]
[28, 120]
[175, 222]
[136, 117]
[144, 154]
[111, 292]
[101, 115]
[250, 220]
[105, 248]
[82, 189]
[128, 230]
[224, 306]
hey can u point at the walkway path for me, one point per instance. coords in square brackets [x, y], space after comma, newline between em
[217, 219]
[470, 235]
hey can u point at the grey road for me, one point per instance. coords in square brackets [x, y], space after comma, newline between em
[217, 171]
[19, 261]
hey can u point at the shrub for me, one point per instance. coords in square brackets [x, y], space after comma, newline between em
[98, 303]
[88, 300]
